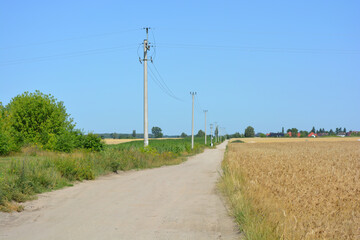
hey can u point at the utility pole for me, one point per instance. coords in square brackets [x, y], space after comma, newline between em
[146, 123]
[192, 123]
[211, 125]
[216, 133]
[205, 111]
[219, 136]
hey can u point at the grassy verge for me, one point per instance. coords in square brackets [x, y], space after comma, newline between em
[35, 171]
[252, 221]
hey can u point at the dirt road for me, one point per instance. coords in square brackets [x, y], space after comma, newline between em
[174, 202]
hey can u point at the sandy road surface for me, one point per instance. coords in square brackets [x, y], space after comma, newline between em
[175, 202]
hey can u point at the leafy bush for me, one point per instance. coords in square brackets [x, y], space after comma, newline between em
[92, 142]
[4, 144]
[39, 119]
[34, 116]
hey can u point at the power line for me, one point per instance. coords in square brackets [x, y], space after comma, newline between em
[70, 39]
[66, 55]
[164, 83]
[161, 86]
[198, 105]
[262, 49]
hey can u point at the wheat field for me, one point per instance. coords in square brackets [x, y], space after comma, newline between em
[295, 188]
[111, 141]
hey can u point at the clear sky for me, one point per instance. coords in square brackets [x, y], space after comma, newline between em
[268, 64]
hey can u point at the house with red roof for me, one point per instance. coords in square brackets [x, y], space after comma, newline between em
[312, 134]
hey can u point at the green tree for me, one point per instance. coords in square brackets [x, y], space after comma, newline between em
[114, 135]
[200, 133]
[216, 131]
[183, 135]
[249, 132]
[134, 134]
[236, 135]
[331, 132]
[294, 132]
[157, 132]
[304, 133]
[313, 130]
[345, 130]
[35, 117]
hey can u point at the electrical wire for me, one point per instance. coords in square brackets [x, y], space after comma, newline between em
[198, 105]
[154, 45]
[163, 81]
[67, 55]
[261, 49]
[71, 39]
[161, 86]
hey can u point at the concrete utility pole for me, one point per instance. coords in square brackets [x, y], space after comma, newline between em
[219, 136]
[205, 111]
[211, 136]
[192, 123]
[215, 134]
[146, 123]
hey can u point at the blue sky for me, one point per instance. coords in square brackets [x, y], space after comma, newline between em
[268, 64]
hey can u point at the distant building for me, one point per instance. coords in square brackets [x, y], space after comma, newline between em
[322, 134]
[312, 134]
[351, 132]
[341, 134]
[275, 134]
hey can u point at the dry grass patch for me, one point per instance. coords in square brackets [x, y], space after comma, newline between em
[118, 141]
[295, 190]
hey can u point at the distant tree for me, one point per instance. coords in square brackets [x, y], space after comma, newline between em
[236, 135]
[183, 135]
[282, 130]
[264, 135]
[313, 130]
[200, 133]
[134, 134]
[114, 135]
[157, 132]
[216, 131]
[294, 132]
[304, 133]
[337, 130]
[345, 130]
[289, 130]
[249, 132]
[331, 132]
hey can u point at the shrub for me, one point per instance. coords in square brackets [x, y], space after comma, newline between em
[4, 144]
[92, 142]
[33, 116]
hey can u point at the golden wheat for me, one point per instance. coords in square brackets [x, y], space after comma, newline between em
[303, 189]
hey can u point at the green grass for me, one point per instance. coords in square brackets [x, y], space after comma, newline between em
[35, 171]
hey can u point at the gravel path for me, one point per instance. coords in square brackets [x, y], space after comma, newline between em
[174, 202]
